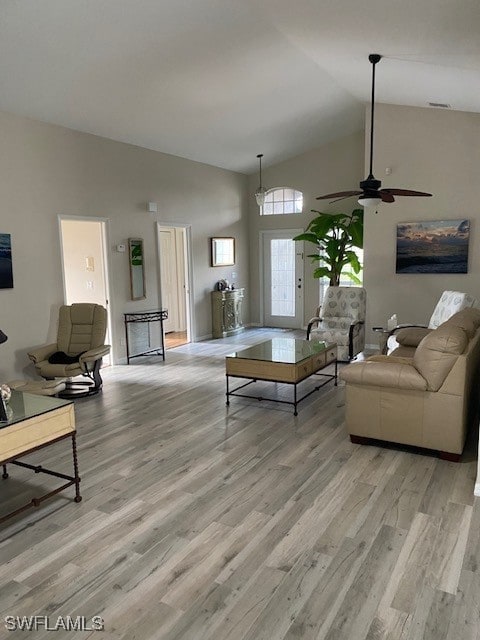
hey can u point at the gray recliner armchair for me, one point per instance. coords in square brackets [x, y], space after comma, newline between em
[78, 351]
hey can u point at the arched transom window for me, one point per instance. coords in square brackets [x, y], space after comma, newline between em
[282, 200]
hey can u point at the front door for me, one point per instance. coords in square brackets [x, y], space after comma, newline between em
[283, 279]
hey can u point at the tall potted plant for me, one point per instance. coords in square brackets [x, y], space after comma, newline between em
[335, 235]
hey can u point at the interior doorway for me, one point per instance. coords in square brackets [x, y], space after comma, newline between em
[84, 264]
[174, 266]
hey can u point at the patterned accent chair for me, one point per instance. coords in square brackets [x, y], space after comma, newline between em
[404, 342]
[341, 319]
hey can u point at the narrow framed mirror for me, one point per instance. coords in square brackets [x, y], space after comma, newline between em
[222, 251]
[137, 268]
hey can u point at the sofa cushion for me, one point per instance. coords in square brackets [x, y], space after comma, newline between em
[397, 359]
[402, 352]
[437, 353]
[467, 319]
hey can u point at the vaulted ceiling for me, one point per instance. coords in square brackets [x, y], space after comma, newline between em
[219, 81]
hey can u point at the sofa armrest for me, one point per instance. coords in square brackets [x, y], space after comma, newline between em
[392, 342]
[311, 323]
[396, 329]
[94, 354]
[412, 336]
[42, 353]
[355, 323]
[393, 375]
[354, 330]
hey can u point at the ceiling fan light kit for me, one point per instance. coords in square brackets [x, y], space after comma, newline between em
[369, 202]
[371, 194]
[261, 191]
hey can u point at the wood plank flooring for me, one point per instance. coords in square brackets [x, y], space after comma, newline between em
[202, 522]
[175, 339]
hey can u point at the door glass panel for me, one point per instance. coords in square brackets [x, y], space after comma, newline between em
[282, 264]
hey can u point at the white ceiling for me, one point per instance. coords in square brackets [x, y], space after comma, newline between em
[219, 81]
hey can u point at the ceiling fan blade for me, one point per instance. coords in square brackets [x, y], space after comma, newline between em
[406, 192]
[386, 197]
[339, 199]
[340, 194]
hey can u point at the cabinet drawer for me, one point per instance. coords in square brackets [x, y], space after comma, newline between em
[331, 355]
[318, 361]
[303, 370]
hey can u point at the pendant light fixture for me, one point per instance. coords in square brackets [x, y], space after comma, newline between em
[261, 191]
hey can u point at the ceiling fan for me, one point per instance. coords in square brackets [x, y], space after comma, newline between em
[370, 193]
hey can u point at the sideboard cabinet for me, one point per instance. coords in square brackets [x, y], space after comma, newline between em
[227, 312]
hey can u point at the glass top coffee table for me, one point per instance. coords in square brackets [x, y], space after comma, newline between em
[32, 422]
[285, 360]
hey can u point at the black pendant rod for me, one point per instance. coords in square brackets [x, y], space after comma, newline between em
[374, 58]
[260, 156]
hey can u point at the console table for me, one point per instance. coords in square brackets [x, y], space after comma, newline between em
[227, 312]
[34, 422]
[146, 317]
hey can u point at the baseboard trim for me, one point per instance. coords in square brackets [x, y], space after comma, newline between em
[476, 491]
[207, 336]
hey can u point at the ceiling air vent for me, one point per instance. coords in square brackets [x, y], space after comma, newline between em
[440, 105]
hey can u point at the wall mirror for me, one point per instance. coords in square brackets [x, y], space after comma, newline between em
[137, 268]
[223, 251]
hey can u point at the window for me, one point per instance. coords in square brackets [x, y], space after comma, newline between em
[281, 201]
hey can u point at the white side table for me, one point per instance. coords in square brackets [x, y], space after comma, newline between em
[382, 338]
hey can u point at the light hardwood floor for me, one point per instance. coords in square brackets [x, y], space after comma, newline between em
[175, 339]
[205, 523]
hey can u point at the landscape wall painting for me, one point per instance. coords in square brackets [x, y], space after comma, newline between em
[6, 271]
[440, 246]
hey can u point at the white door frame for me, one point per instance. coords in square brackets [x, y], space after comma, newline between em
[105, 233]
[261, 270]
[189, 297]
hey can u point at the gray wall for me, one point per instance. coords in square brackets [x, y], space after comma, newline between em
[333, 167]
[428, 150]
[47, 170]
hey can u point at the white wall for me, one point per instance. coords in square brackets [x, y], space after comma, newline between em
[428, 150]
[47, 170]
[333, 167]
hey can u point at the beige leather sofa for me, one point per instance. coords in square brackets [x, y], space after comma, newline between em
[427, 399]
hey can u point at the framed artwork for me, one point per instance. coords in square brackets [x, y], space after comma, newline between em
[439, 246]
[222, 252]
[6, 269]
